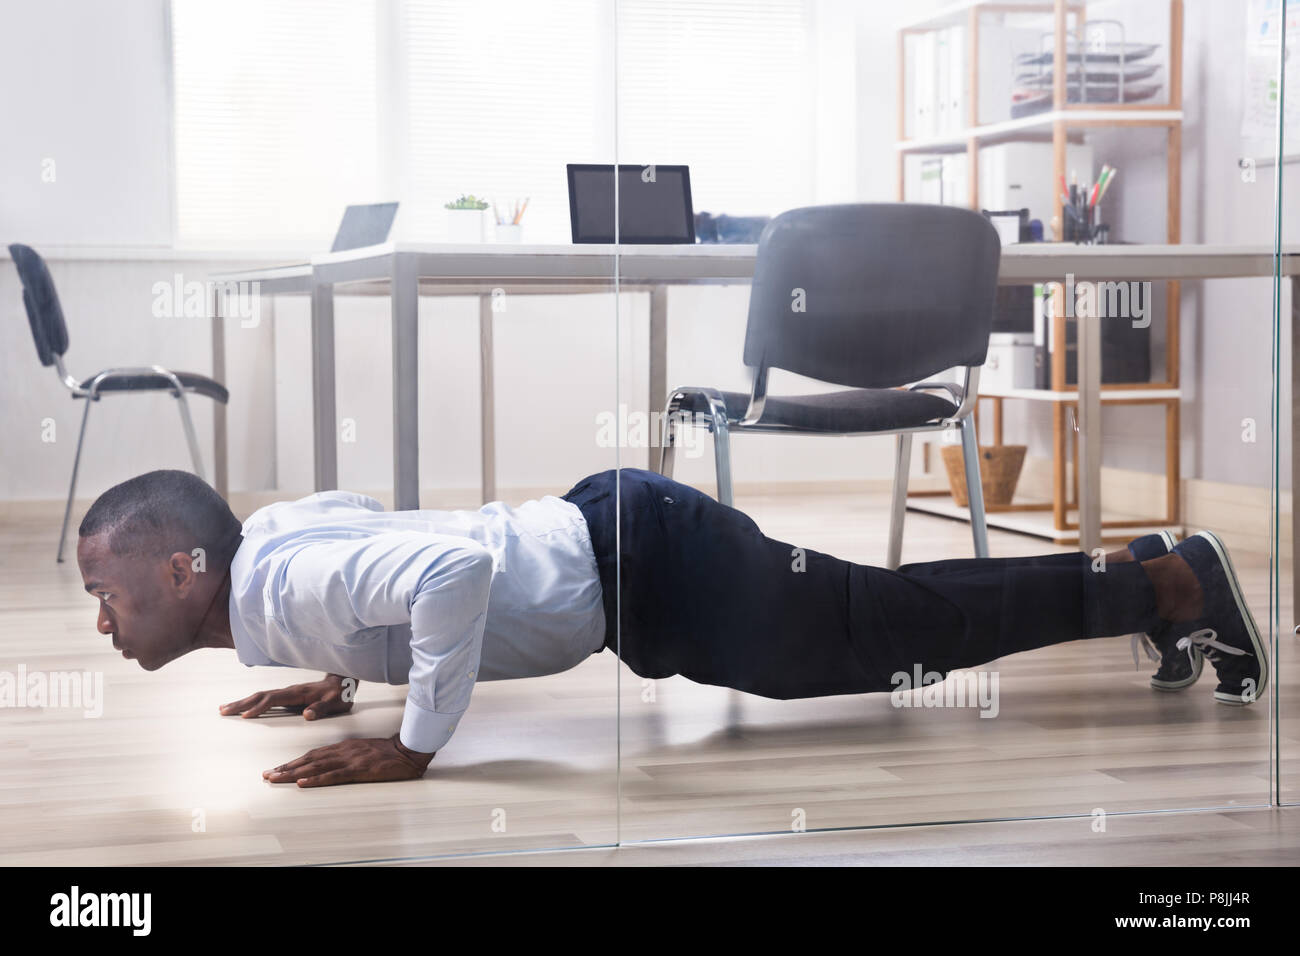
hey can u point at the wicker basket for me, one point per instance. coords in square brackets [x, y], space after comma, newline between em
[999, 472]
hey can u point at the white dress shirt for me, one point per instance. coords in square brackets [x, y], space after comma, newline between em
[433, 599]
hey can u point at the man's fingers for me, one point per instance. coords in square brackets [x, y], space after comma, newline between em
[351, 761]
[318, 708]
[261, 706]
[326, 706]
[298, 762]
[236, 706]
[254, 705]
[331, 778]
[309, 769]
[321, 699]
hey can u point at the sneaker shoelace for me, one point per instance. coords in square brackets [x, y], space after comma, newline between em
[1142, 641]
[1206, 641]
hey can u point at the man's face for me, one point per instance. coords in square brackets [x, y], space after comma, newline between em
[147, 605]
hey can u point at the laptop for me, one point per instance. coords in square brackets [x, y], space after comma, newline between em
[654, 204]
[364, 226]
[361, 226]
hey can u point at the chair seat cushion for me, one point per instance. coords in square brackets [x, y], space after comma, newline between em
[853, 410]
[151, 381]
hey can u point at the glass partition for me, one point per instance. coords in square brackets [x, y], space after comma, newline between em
[873, 414]
[450, 368]
[517, 362]
[807, 641]
[1272, 119]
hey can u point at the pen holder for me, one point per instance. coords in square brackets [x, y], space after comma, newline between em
[509, 232]
[465, 225]
[1084, 227]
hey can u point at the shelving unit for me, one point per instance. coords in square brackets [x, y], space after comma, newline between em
[1059, 125]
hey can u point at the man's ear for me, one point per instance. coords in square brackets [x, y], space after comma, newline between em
[183, 570]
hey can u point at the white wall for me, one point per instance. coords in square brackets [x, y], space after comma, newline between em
[110, 139]
[85, 88]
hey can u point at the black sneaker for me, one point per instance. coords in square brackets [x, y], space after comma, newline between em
[1226, 633]
[1178, 669]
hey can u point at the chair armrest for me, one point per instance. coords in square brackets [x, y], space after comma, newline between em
[126, 372]
[952, 388]
[965, 394]
[717, 404]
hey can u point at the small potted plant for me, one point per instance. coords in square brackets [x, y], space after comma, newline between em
[465, 219]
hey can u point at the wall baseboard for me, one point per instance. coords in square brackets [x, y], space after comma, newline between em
[1240, 512]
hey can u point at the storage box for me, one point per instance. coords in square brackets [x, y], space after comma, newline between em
[1019, 176]
[1010, 362]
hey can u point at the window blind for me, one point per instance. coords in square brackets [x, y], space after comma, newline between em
[501, 94]
[284, 112]
[275, 118]
[726, 87]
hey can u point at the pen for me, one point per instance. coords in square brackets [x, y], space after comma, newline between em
[1110, 178]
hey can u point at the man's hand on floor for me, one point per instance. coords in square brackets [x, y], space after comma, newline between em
[322, 698]
[366, 760]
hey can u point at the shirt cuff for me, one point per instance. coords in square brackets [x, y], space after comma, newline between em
[425, 731]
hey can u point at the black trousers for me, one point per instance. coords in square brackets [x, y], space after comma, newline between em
[703, 593]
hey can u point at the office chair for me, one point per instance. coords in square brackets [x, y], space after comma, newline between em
[45, 316]
[872, 296]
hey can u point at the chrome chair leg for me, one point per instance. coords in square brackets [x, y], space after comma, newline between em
[716, 419]
[974, 488]
[72, 486]
[189, 434]
[722, 460]
[667, 440]
[898, 506]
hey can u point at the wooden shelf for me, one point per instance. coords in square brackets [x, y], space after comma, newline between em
[1039, 127]
[1116, 396]
[957, 13]
[1057, 126]
[1037, 521]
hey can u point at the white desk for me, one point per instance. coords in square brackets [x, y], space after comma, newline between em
[406, 270]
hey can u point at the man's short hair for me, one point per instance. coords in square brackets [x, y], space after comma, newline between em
[162, 512]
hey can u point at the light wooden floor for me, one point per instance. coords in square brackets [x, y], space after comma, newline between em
[1255, 837]
[534, 764]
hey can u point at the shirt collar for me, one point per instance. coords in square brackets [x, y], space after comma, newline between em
[247, 649]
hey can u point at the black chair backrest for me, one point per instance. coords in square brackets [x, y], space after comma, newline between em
[890, 292]
[44, 314]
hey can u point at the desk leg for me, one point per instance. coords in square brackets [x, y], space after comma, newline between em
[1089, 432]
[220, 465]
[323, 409]
[658, 350]
[406, 385]
[487, 401]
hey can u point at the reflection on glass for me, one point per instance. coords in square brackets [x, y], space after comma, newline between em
[817, 636]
